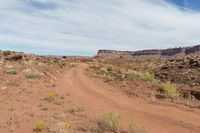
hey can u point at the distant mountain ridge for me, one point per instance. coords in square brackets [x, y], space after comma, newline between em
[157, 52]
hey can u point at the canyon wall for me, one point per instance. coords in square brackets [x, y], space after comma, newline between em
[157, 52]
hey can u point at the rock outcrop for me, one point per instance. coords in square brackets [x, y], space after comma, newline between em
[157, 52]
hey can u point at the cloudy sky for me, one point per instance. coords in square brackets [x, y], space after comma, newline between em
[81, 27]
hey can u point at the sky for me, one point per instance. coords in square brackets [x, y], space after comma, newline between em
[82, 27]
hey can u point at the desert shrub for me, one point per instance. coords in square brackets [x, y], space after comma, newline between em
[40, 126]
[11, 72]
[62, 97]
[76, 110]
[32, 75]
[67, 125]
[102, 70]
[12, 83]
[122, 71]
[132, 128]
[109, 122]
[131, 73]
[147, 76]
[50, 96]
[60, 127]
[109, 69]
[170, 90]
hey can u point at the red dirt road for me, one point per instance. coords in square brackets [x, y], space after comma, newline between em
[98, 97]
[22, 106]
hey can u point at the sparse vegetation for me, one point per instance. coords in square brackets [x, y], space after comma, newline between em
[109, 122]
[11, 72]
[50, 96]
[67, 125]
[40, 126]
[76, 110]
[127, 81]
[12, 83]
[62, 97]
[103, 71]
[61, 127]
[147, 76]
[170, 90]
[32, 75]
[132, 128]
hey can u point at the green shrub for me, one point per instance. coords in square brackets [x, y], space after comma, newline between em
[110, 122]
[102, 70]
[131, 73]
[147, 76]
[40, 126]
[170, 90]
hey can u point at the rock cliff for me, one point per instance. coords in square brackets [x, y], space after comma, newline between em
[157, 52]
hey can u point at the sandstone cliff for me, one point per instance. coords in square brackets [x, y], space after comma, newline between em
[157, 52]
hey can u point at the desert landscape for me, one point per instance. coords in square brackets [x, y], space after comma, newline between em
[148, 91]
[100, 66]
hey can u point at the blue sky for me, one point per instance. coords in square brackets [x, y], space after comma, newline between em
[81, 27]
[188, 4]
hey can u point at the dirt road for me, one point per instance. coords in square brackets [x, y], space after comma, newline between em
[98, 97]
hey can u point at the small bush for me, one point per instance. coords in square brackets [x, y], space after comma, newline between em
[12, 72]
[102, 71]
[50, 96]
[132, 128]
[68, 125]
[40, 126]
[170, 90]
[60, 127]
[109, 69]
[122, 71]
[110, 122]
[12, 83]
[147, 76]
[32, 75]
[76, 110]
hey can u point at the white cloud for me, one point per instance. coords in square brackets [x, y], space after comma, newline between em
[88, 25]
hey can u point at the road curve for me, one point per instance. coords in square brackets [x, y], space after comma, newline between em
[98, 97]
